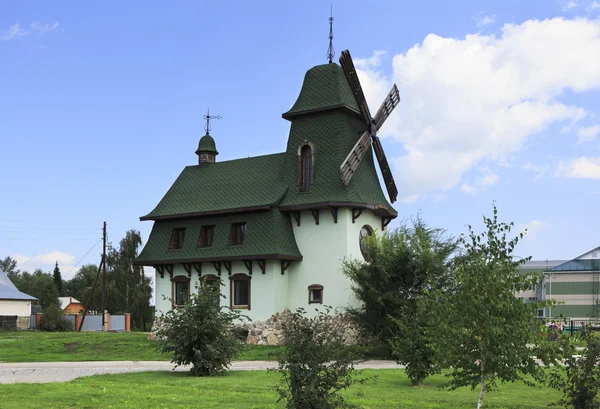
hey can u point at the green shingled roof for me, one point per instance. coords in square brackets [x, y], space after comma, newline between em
[207, 144]
[222, 187]
[324, 86]
[269, 234]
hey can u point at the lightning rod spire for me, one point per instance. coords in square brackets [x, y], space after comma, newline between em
[208, 117]
[330, 51]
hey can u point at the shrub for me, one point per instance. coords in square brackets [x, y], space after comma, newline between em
[579, 380]
[53, 320]
[315, 363]
[201, 334]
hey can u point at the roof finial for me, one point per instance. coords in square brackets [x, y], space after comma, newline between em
[208, 117]
[330, 52]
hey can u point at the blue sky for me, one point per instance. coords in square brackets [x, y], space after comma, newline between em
[101, 108]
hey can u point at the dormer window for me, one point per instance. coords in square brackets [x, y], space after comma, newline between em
[237, 233]
[177, 236]
[206, 236]
[306, 166]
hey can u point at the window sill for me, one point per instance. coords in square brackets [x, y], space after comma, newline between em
[315, 302]
[240, 307]
[177, 249]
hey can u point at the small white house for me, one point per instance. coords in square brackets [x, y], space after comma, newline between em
[274, 230]
[13, 302]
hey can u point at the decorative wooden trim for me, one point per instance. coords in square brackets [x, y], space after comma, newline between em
[356, 214]
[262, 265]
[296, 217]
[329, 109]
[284, 265]
[384, 222]
[188, 269]
[198, 268]
[334, 213]
[275, 256]
[161, 270]
[217, 266]
[315, 287]
[248, 264]
[236, 277]
[169, 268]
[227, 265]
[315, 215]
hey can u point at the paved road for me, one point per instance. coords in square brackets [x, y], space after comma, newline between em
[43, 372]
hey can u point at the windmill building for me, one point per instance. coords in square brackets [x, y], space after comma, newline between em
[273, 230]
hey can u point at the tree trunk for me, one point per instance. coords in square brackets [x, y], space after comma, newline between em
[481, 394]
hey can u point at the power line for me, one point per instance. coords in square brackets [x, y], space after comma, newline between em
[35, 228]
[83, 257]
[40, 222]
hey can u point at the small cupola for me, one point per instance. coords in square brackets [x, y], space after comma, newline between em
[207, 148]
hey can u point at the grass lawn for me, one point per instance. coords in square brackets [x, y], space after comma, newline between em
[253, 390]
[33, 346]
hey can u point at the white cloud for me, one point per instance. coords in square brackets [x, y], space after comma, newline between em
[43, 28]
[587, 133]
[533, 227]
[579, 168]
[483, 19]
[14, 31]
[465, 187]
[46, 262]
[487, 179]
[482, 97]
[539, 170]
[569, 4]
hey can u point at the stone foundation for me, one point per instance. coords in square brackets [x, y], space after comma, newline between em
[269, 332]
[23, 323]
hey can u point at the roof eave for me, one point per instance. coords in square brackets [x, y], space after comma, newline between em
[290, 115]
[209, 213]
[273, 256]
[379, 210]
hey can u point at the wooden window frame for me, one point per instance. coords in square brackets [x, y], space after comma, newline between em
[232, 280]
[304, 182]
[174, 232]
[312, 288]
[174, 281]
[203, 238]
[234, 237]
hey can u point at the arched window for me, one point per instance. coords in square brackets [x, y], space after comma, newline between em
[365, 232]
[306, 170]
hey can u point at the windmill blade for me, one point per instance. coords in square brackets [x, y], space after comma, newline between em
[352, 77]
[386, 172]
[351, 162]
[386, 108]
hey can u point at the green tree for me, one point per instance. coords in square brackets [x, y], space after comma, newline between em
[315, 364]
[402, 265]
[57, 278]
[9, 266]
[480, 328]
[80, 286]
[200, 333]
[129, 290]
[579, 378]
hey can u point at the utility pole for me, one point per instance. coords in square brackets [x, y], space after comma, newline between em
[103, 275]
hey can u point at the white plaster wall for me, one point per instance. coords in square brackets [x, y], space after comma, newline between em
[267, 290]
[569, 278]
[22, 308]
[324, 247]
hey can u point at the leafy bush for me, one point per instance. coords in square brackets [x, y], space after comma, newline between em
[579, 379]
[53, 320]
[315, 363]
[200, 333]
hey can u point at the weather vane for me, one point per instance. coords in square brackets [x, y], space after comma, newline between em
[208, 117]
[330, 52]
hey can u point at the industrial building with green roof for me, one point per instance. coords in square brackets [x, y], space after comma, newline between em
[273, 230]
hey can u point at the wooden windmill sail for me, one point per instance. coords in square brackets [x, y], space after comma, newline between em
[350, 164]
